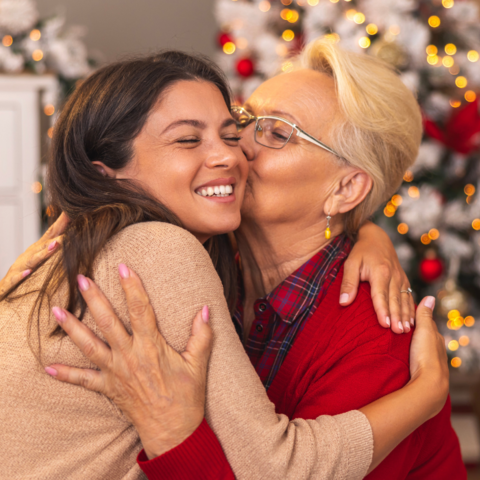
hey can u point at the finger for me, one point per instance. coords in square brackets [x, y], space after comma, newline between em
[424, 314]
[380, 282]
[58, 227]
[395, 302]
[412, 310]
[350, 282]
[44, 252]
[88, 343]
[102, 312]
[142, 316]
[87, 378]
[405, 308]
[199, 346]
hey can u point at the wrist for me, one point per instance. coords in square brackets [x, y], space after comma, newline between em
[433, 387]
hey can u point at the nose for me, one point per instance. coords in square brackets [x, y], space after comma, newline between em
[247, 143]
[224, 156]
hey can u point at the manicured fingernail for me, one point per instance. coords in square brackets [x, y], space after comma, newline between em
[387, 321]
[123, 270]
[52, 245]
[26, 273]
[59, 314]
[407, 327]
[83, 284]
[51, 371]
[430, 302]
[400, 326]
[205, 314]
[412, 321]
[344, 297]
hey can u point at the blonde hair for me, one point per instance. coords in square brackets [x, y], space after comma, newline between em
[381, 127]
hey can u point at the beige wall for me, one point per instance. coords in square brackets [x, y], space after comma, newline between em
[122, 27]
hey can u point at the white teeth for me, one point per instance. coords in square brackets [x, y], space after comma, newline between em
[219, 191]
[228, 189]
[204, 192]
[210, 191]
[216, 190]
[222, 190]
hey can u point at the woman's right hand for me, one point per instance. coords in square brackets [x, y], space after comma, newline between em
[35, 255]
[428, 356]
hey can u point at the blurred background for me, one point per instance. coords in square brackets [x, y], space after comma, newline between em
[47, 46]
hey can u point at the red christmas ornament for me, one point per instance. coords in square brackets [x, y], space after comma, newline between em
[245, 67]
[223, 38]
[431, 269]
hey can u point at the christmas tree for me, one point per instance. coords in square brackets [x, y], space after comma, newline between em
[434, 219]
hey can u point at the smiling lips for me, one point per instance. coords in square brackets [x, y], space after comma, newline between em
[221, 187]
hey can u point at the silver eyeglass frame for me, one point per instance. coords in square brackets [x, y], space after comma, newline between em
[300, 133]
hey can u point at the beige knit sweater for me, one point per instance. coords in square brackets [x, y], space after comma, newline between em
[52, 430]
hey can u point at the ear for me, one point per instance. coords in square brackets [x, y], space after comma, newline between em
[351, 191]
[103, 169]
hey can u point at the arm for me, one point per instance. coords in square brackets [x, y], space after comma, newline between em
[237, 407]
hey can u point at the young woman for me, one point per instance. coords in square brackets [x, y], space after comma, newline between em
[134, 150]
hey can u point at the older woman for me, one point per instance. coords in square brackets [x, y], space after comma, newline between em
[291, 275]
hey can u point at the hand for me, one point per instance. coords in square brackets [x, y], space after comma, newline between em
[161, 391]
[35, 255]
[373, 259]
[428, 355]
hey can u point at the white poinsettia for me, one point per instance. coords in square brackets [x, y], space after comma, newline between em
[9, 61]
[17, 16]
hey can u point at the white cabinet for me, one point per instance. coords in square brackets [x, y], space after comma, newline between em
[22, 131]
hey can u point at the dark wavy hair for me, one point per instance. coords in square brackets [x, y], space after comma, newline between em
[99, 122]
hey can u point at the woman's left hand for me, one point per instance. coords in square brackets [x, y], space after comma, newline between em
[374, 260]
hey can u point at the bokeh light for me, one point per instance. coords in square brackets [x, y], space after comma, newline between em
[402, 228]
[461, 82]
[434, 21]
[456, 362]
[288, 35]
[364, 42]
[371, 29]
[473, 55]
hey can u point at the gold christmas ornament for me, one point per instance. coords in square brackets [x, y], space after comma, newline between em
[389, 52]
[452, 298]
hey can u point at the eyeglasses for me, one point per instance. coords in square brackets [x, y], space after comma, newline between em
[272, 131]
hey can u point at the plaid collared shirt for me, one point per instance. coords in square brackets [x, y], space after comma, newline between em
[281, 315]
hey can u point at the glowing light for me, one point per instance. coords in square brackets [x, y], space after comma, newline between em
[461, 82]
[287, 67]
[371, 29]
[332, 37]
[388, 211]
[425, 239]
[229, 48]
[434, 234]
[432, 50]
[49, 110]
[334, 1]
[433, 59]
[470, 96]
[469, 189]
[469, 321]
[37, 55]
[434, 21]
[448, 3]
[450, 49]
[414, 192]
[288, 35]
[473, 55]
[456, 362]
[286, 2]
[294, 17]
[364, 42]
[36, 187]
[455, 103]
[7, 40]
[402, 228]
[264, 6]
[50, 132]
[397, 200]
[35, 35]
[242, 43]
[452, 314]
[469, 200]
[408, 177]
[285, 13]
[49, 211]
[453, 345]
[476, 224]
[350, 13]
[394, 30]
[359, 18]
[455, 70]
[448, 62]
[312, 3]
[463, 340]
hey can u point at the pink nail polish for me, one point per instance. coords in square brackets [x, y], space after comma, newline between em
[83, 284]
[430, 302]
[344, 297]
[400, 326]
[407, 327]
[123, 270]
[51, 371]
[52, 245]
[59, 314]
[205, 314]
[412, 322]
[387, 321]
[26, 273]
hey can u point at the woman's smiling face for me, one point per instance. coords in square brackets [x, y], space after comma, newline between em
[188, 156]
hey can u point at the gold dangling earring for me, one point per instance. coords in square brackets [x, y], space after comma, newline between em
[328, 232]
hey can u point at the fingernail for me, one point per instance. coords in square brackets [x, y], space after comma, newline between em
[205, 314]
[51, 371]
[123, 270]
[407, 327]
[344, 297]
[430, 302]
[400, 326]
[52, 245]
[387, 321]
[83, 284]
[412, 321]
[26, 273]
[59, 314]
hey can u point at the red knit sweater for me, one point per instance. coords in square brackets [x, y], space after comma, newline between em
[341, 361]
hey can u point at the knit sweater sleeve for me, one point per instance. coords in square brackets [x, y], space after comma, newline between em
[179, 278]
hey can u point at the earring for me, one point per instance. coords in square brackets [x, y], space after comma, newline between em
[328, 232]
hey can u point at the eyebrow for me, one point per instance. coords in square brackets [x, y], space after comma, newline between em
[280, 113]
[198, 124]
